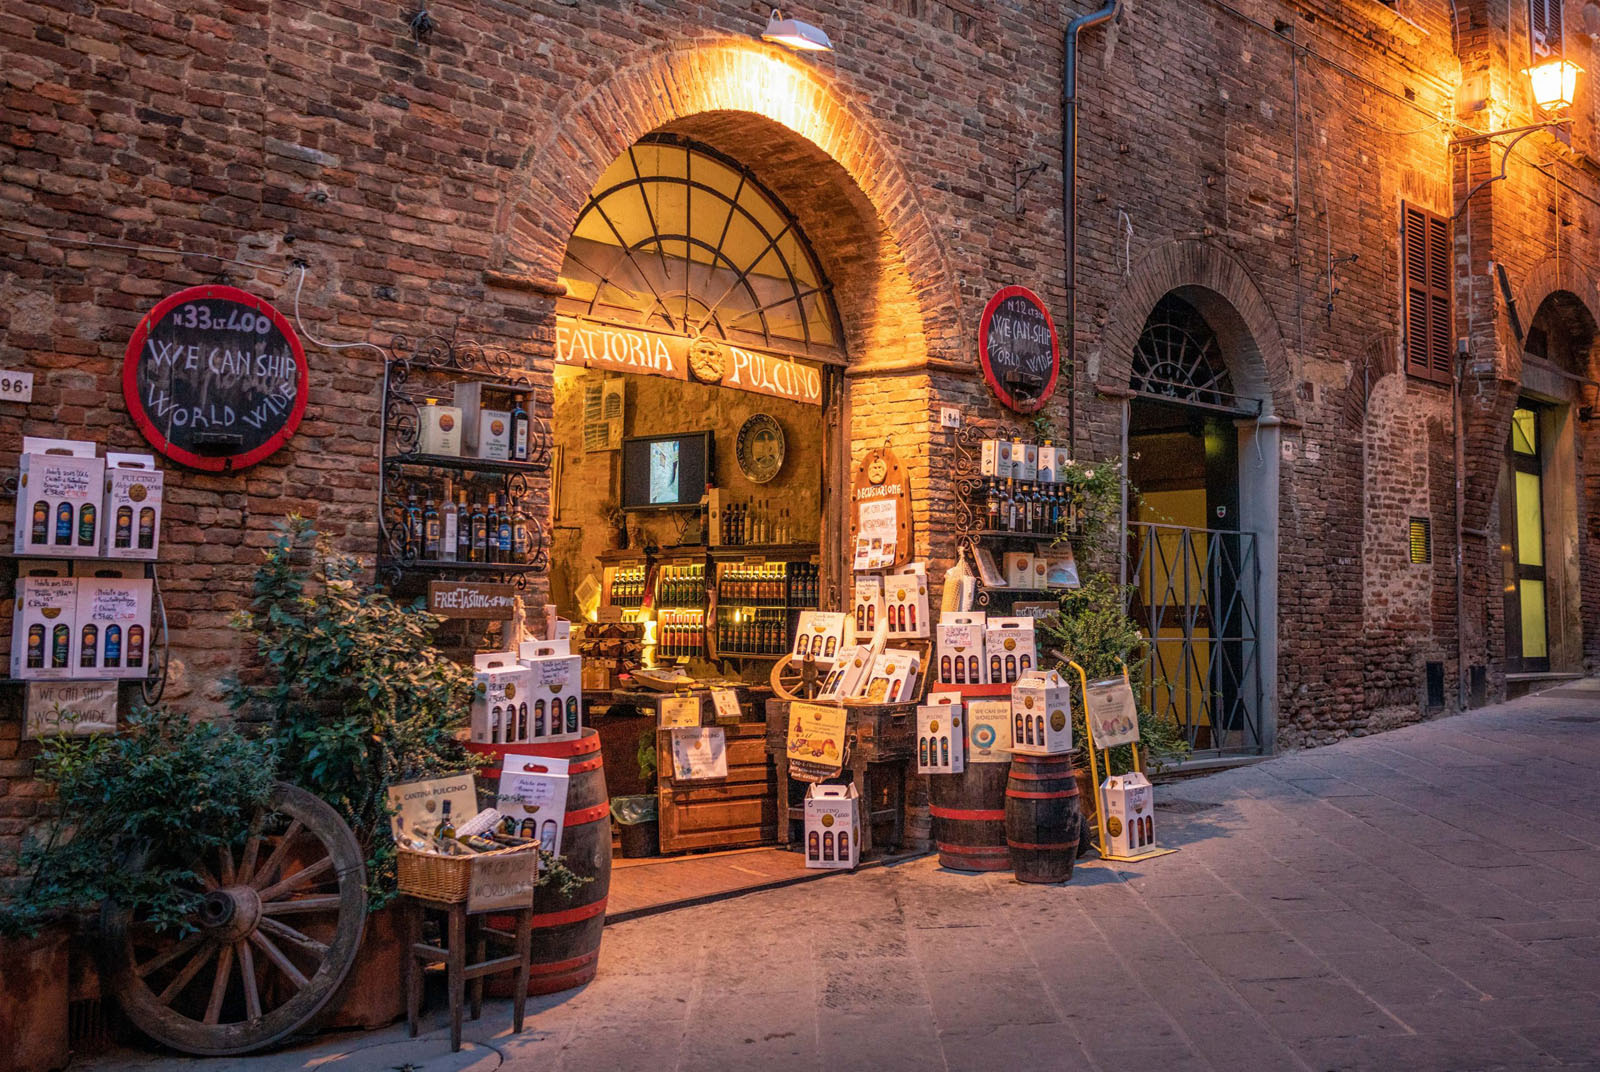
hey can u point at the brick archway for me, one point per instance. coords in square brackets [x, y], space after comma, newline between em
[1220, 287]
[1549, 277]
[892, 261]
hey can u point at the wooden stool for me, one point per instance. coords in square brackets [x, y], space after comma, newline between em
[462, 927]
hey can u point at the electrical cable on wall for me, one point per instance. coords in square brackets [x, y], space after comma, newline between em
[306, 333]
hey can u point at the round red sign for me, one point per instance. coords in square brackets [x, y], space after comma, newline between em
[1018, 351]
[215, 378]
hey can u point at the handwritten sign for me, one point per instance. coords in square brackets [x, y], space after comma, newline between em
[215, 378]
[1018, 350]
[470, 599]
[71, 708]
[502, 880]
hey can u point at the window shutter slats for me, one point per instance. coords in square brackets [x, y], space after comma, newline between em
[1427, 264]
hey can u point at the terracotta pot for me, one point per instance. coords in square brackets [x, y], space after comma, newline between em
[33, 1002]
[374, 993]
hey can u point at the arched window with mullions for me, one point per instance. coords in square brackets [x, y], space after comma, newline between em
[678, 238]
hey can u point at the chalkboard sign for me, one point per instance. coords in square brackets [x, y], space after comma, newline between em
[1018, 351]
[215, 378]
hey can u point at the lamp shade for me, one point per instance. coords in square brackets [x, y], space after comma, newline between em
[792, 33]
[1554, 84]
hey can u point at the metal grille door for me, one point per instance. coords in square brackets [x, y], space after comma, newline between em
[1195, 598]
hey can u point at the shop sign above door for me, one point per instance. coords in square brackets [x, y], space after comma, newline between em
[215, 378]
[1018, 350]
[704, 360]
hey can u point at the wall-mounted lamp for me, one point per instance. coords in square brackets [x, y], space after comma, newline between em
[792, 33]
[1554, 84]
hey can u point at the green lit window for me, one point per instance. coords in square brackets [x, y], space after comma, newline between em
[1525, 432]
[1530, 520]
[1420, 540]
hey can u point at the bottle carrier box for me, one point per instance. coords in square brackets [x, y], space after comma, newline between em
[819, 636]
[1009, 646]
[501, 695]
[941, 739]
[905, 597]
[558, 684]
[43, 625]
[833, 827]
[960, 649]
[894, 676]
[849, 674]
[1041, 715]
[533, 790]
[1130, 810]
[59, 498]
[868, 606]
[130, 511]
[112, 634]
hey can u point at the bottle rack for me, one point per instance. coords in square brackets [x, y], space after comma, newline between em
[428, 368]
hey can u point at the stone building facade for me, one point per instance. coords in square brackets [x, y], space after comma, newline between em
[1246, 162]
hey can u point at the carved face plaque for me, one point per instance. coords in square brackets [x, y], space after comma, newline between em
[706, 360]
[877, 469]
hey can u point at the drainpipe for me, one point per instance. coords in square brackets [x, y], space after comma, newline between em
[1069, 196]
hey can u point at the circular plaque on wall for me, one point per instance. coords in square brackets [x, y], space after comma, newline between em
[760, 448]
[215, 378]
[1018, 350]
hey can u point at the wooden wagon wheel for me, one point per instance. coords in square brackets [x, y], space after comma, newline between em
[274, 936]
[794, 679]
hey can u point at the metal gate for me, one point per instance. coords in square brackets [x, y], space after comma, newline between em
[1195, 597]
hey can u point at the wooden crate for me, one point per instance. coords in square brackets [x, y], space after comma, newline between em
[723, 814]
[874, 733]
[879, 749]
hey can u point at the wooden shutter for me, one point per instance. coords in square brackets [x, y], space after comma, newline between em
[1544, 27]
[1430, 327]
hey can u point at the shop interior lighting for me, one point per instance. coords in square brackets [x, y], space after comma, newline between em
[1554, 84]
[794, 34]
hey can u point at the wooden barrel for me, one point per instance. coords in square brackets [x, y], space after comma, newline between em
[567, 929]
[1042, 818]
[969, 817]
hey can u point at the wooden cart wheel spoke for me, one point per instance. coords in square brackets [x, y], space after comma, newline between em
[247, 974]
[293, 938]
[180, 989]
[219, 986]
[318, 903]
[186, 976]
[284, 964]
[270, 868]
[298, 879]
[160, 961]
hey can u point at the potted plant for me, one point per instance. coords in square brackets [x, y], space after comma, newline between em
[165, 792]
[354, 698]
[638, 816]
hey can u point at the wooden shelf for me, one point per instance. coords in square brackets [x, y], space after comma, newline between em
[431, 565]
[476, 465]
[770, 551]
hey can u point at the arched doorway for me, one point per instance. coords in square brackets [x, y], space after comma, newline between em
[1539, 493]
[1195, 546]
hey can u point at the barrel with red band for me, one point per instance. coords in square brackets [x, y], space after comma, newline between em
[969, 817]
[1042, 819]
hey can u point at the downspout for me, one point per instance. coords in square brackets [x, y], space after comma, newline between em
[1069, 197]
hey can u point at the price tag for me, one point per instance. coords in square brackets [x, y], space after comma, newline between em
[16, 386]
[727, 704]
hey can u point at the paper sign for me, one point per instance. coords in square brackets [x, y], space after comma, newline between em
[726, 702]
[699, 753]
[71, 708]
[533, 790]
[1113, 714]
[877, 535]
[989, 731]
[816, 741]
[418, 806]
[502, 880]
[677, 711]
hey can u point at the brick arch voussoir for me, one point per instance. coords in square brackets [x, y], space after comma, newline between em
[681, 81]
[1195, 263]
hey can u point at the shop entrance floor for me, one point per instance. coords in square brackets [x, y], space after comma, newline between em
[644, 887]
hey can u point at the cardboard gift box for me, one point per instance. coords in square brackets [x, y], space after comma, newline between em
[557, 687]
[988, 731]
[849, 674]
[819, 636]
[1041, 715]
[960, 649]
[833, 827]
[130, 509]
[941, 739]
[894, 676]
[1020, 570]
[494, 435]
[500, 695]
[1130, 810]
[43, 624]
[112, 634]
[1009, 646]
[439, 430]
[59, 493]
[905, 597]
[868, 606]
[533, 791]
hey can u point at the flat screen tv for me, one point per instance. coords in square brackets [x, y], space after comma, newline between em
[665, 472]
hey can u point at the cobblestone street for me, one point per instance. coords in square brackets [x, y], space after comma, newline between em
[1421, 899]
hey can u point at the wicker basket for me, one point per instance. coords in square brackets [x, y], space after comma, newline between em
[443, 878]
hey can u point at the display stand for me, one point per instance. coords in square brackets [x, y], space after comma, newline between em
[1105, 761]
